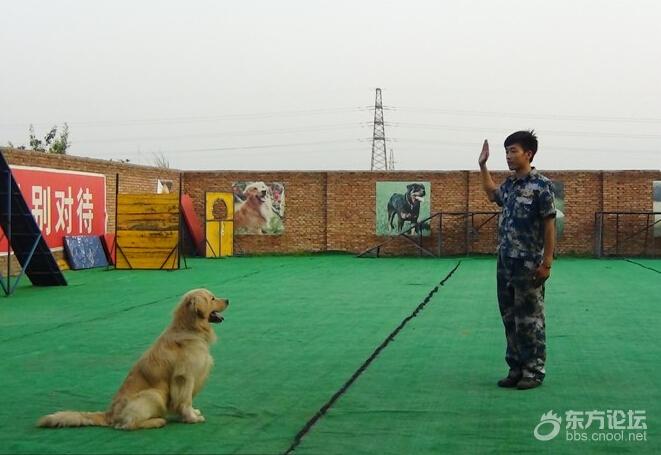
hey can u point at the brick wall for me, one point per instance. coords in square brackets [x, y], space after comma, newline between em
[335, 211]
[305, 208]
[132, 178]
[352, 204]
[629, 191]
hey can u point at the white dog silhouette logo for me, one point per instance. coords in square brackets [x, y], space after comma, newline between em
[548, 419]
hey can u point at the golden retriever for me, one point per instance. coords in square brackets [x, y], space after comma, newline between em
[254, 215]
[167, 376]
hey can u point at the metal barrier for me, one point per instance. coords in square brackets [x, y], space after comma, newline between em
[610, 240]
[471, 233]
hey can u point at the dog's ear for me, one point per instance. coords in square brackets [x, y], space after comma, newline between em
[410, 187]
[196, 302]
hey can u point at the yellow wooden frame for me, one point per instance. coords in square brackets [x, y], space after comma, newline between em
[147, 227]
[219, 234]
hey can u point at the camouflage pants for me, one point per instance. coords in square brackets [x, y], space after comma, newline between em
[522, 310]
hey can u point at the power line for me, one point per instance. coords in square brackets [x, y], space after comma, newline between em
[245, 147]
[589, 118]
[339, 110]
[194, 119]
[547, 147]
[558, 132]
[329, 127]
[259, 132]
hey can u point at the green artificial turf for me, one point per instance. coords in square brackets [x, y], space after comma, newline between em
[297, 329]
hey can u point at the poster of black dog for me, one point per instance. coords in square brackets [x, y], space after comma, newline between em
[400, 206]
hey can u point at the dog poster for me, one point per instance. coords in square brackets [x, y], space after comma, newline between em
[400, 206]
[656, 207]
[559, 200]
[259, 208]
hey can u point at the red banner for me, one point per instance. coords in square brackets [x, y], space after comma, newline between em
[62, 203]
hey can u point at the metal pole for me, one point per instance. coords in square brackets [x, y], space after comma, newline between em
[206, 222]
[617, 234]
[647, 231]
[466, 233]
[8, 234]
[27, 264]
[180, 243]
[601, 229]
[470, 232]
[115, 240]
[597, 234]
[440, 234]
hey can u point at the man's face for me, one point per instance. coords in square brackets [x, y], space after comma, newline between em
[517, 158]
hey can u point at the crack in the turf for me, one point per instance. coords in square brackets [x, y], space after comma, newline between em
[336, 396]
[643, 266]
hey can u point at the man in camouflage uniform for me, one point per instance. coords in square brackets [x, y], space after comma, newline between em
[526, 239]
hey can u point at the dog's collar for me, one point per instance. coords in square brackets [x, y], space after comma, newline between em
[410, 200]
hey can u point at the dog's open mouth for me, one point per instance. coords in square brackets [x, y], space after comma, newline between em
[215, 317]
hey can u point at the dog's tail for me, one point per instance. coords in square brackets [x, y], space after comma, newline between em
[74, 419]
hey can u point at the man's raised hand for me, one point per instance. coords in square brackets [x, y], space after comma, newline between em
[484, 156]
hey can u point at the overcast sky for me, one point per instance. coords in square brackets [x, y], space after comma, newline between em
[290, 84]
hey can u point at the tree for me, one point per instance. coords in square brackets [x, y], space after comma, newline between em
[35, 144]
[161, 161]
[61, 144]
[51, 143]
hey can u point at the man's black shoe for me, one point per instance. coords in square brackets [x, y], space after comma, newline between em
[528, 383]
[509, 382]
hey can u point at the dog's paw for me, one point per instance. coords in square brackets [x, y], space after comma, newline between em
[193, 417]
[197, 411]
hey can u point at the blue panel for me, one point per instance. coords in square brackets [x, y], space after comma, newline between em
[85, 252]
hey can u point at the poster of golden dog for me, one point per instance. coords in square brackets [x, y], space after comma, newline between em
[259, 208]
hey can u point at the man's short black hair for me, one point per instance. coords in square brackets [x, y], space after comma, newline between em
[526, 139]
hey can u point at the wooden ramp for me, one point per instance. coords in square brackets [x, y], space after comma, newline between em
[24, 236]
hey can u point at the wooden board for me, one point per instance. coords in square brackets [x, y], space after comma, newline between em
[147, 239]
[147, 221]
[147, 203]
[147, 231]
[152, 259]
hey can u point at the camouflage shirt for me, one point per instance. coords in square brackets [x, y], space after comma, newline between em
[526, 202]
